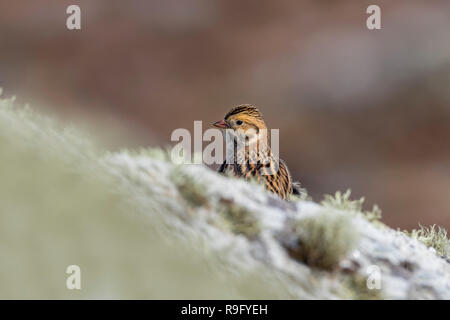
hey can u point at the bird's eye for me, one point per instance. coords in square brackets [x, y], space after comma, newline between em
[239, 122]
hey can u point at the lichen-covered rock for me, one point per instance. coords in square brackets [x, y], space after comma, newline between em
[142, 227]
[313, 251]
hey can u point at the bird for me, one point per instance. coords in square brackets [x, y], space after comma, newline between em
[248, 154]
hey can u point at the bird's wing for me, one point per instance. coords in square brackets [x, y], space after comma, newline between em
[285, 180]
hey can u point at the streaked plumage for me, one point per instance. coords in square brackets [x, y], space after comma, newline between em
[255, 160]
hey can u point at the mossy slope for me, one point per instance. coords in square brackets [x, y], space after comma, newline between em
[142, 227]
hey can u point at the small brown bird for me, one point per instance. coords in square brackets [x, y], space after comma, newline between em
[249, 154]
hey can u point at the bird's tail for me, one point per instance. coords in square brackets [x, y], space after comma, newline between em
[299, 191]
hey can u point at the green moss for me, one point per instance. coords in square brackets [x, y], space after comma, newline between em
[342, 201]
[435, 237]
[190, 189]
[356, 288]
[324, 239]
[239, 219]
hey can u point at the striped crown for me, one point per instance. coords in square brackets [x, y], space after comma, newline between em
[245, 109]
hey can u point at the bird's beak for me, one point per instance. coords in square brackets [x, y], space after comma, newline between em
[220, 124]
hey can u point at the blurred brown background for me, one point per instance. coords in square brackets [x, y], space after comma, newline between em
[360, 109]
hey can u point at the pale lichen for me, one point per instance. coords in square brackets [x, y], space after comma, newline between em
[342, 201]
[434, 237]
[323, 239]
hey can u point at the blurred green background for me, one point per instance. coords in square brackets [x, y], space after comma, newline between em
[360, 109]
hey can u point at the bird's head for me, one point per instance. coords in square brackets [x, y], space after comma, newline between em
[244, 120]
